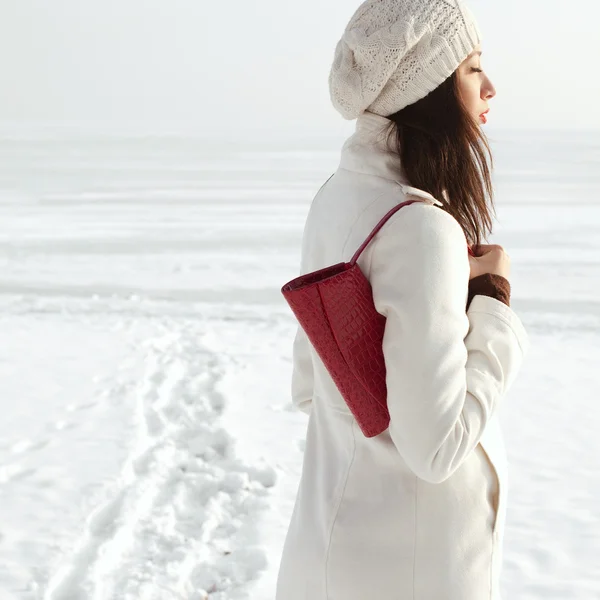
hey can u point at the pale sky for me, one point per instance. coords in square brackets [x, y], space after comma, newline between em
[226, 65]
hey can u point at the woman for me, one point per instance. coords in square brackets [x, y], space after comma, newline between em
[418, 512]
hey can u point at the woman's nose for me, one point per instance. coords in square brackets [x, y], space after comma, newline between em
[489, 91]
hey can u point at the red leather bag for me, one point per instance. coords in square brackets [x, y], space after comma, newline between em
[335, 308]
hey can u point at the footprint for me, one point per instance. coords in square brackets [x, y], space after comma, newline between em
[217, 401]
[104, 519]
[154, 424]
[141, 463]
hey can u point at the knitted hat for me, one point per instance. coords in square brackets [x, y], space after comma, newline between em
[395, 52]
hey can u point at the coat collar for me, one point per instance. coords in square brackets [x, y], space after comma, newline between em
[366, 152]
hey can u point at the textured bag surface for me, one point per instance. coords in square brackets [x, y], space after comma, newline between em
[335, 308]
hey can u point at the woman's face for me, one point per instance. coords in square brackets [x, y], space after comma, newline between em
[476, 90]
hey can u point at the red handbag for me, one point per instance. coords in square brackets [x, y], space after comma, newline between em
[335, 308]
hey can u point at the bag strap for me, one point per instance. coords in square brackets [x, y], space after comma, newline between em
[378, 227]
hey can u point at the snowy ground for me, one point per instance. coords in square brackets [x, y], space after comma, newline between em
[148, 449]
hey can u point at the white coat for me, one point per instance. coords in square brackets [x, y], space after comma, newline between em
[418, 512]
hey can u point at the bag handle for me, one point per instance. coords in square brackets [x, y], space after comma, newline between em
[378, 227]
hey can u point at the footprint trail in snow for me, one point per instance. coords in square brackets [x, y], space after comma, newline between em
[181, 521]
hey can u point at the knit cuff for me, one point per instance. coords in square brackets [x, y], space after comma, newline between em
[492, 285]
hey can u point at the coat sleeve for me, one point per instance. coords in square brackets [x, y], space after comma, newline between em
[447, 367]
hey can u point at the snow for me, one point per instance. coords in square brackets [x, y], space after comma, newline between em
[148, 448]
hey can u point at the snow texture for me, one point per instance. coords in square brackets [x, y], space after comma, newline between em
[148, 447]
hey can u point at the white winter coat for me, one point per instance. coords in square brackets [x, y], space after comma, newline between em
[418, 512]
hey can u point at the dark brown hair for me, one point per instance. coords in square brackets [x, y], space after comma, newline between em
[444, 152]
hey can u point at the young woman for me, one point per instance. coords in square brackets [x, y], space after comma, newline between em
[418, 512]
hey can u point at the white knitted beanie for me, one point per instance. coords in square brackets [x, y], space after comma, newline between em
[395, 52]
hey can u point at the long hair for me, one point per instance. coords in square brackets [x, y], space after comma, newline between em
[443, 151]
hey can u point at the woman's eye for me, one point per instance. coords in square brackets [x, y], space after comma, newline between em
[476, 70]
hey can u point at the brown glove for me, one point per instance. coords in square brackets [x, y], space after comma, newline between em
[492, 285]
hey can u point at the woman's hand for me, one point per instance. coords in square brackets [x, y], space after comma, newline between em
[489, 258]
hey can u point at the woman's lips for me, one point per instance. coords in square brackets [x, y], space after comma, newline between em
[483, 116]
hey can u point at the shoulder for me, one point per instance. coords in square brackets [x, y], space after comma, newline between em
[425, 225]
[420, 252]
